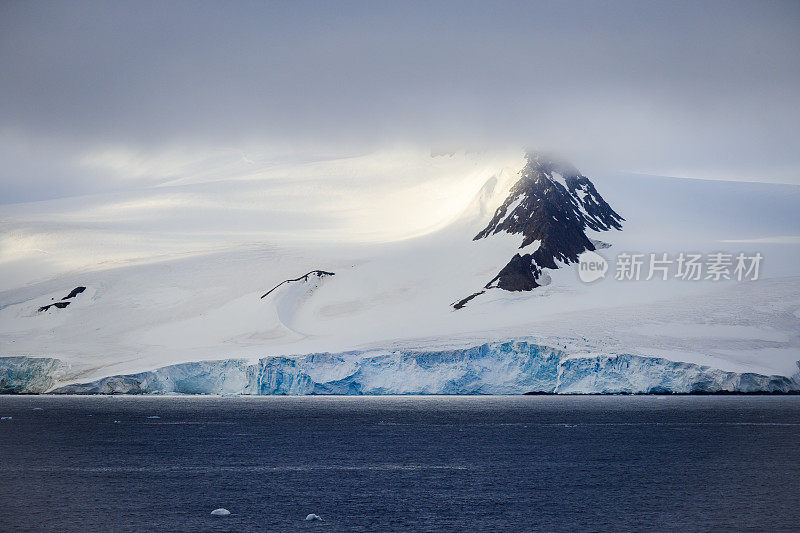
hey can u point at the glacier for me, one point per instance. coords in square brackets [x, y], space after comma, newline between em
[515, 367]
[29, 375]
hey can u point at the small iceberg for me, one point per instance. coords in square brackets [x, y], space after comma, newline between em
[154, 416]
[6, 417]
[312, 517]
[116, 421]
[38, 409]
[220, 512]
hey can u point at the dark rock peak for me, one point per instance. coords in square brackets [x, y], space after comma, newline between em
[551, 205]
[554, 204]
[551, 193]
[304, 277]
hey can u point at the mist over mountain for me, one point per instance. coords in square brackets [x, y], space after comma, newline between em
[114, 96]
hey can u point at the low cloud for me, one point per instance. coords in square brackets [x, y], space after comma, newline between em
[98, 94]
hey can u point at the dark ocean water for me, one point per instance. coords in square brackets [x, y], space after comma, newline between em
[400, 463]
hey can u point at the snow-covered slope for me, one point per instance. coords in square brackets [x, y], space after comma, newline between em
[176, 274]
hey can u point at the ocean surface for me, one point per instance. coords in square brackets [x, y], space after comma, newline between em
[535, 463]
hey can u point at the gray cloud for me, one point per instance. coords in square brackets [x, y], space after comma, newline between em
[705, 88]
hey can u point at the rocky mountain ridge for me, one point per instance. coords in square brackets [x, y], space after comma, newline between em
[551, 206]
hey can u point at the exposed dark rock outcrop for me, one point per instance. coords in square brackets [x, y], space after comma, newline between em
[57, 305]
[62, 304]
[519, 274]
[464, 301]
[551, 199]
[74, 292]
[551, 205]
[304, 277]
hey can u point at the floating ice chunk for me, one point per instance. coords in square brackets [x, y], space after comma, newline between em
[220, 512]
[116, 421]
[154, 416]
[6, 417]
[312, 516]
[38, 409]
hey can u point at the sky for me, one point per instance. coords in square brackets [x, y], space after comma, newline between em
[112, 96]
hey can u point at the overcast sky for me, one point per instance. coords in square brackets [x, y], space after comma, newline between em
[99, 96]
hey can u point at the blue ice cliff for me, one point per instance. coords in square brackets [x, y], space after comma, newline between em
[29, 375]
[495, 368]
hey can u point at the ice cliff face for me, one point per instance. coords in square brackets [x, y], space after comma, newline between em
[29, 375]
[497, 368]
